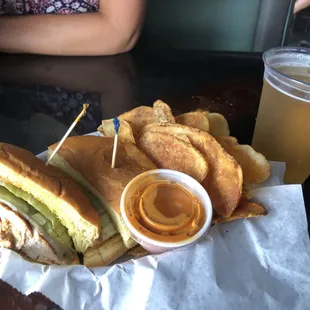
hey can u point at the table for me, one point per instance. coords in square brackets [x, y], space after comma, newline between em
[41, 96]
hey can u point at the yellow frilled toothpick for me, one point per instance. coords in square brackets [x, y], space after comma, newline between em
[83, 113]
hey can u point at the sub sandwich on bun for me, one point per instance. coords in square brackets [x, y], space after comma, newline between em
[88, 160]
[44, 213]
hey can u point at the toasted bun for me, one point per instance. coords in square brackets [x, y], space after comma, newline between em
[105, 253]
[88, 160]
[58, 191]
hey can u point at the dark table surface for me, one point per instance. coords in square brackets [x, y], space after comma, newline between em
[41, 96]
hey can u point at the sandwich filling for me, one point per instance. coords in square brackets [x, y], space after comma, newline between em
[41, 219]
[107, 227]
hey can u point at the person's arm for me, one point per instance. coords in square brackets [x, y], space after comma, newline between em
[114, 29]
[300, 5]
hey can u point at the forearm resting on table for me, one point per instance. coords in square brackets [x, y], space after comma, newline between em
[300, 5]
[77, 34]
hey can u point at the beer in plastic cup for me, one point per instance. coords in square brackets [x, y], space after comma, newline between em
[282, 131]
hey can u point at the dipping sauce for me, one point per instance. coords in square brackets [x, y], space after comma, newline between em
[165, 211]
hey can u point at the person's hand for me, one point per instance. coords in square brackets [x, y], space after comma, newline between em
[300, 5]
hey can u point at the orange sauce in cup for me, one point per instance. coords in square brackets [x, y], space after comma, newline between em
[165, 211]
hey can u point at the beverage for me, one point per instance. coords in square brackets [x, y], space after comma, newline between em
[282, 131]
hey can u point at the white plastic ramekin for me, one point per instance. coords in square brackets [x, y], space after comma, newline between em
[154, 246]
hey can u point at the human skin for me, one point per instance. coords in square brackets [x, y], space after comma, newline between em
[300, 5]
[114, 29]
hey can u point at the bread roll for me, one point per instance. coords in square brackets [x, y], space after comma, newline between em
[62, 195]
[88, 160]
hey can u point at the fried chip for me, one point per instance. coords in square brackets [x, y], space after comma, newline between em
[184, 138]
[224, 179]
[245, 209]
[218, 124]
[196, 119]
[138, 118]
[137, 251]
[125, 132]
[162, 112]
[255, 167]
[167, 151]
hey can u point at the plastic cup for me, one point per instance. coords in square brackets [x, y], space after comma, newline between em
[155, 246]
[282, 131]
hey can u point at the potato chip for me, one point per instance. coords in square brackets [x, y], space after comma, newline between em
[162, 112]
[196, 119]
[125, 133]
[245, 209]
[255, 167]
[218, 124]
[167, 151]
[184, 138]
[138, 118]
[224, 179]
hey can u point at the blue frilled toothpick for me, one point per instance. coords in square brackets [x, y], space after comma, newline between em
[116, 128]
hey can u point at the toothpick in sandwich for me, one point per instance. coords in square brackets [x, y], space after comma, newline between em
[116, 128]
[83, 113]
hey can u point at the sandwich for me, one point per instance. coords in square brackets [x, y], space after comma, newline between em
[88, 160]
[44, 213]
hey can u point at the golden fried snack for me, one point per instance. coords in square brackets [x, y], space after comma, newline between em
[184, 138]
[125, 133]
[196, 119]
[245, 209]
[167, 151]
[218, 124]
[138, 118]
[255, 167]
[137, 251]
[106, 253]
[224, 179]
[162, 112]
